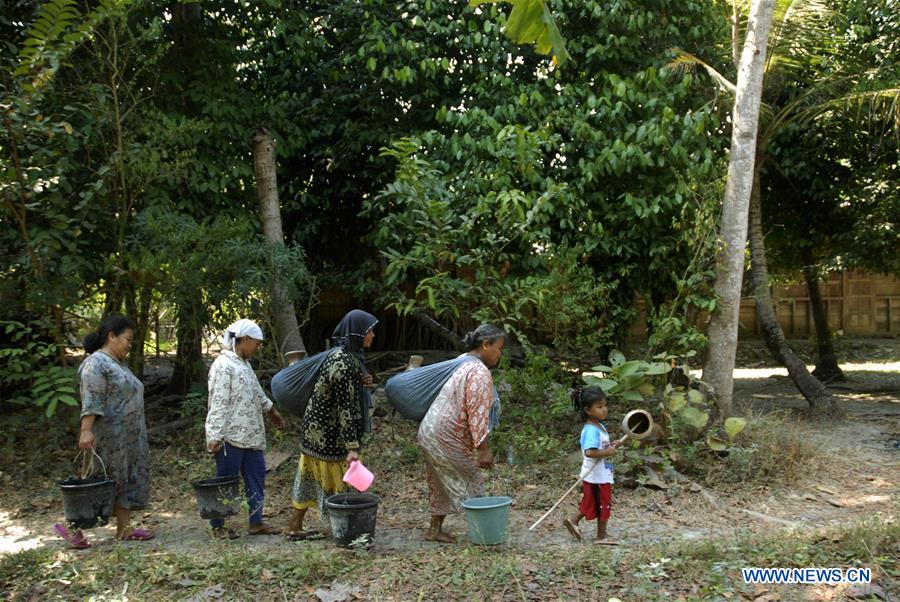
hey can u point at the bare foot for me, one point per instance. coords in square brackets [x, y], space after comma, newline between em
[264, 529]
[439, 536]
[573, 529]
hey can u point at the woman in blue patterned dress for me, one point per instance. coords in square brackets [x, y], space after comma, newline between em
[112, 419]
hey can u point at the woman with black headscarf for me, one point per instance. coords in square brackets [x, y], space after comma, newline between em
[335, 420]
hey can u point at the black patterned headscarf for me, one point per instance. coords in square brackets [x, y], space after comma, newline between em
[352, 329]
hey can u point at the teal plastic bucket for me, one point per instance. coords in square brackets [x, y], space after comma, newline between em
[488, 519]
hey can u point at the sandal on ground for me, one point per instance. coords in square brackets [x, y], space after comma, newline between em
[224, 533]
[573, 529]
[264, 529]
[310, 535]
[606, 542]
[76, 540]
[138, 534]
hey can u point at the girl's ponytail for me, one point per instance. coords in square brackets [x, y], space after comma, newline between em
[575, 396]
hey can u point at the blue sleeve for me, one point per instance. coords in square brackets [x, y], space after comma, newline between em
[590, 438]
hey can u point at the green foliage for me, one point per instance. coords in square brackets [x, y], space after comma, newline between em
[531, 22]
[628, 380]
[537, 417]
[827, 143]
[684, 411]
[479, 251]
[28, 371]
[675, 324]
[545, 161]
[125, 112]
[231, 268]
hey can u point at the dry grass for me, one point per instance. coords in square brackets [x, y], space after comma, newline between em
[774, 448]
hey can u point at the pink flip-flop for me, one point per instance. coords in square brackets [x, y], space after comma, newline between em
[138, 535]
[76, 540]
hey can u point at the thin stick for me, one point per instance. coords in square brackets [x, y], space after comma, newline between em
[558, 502]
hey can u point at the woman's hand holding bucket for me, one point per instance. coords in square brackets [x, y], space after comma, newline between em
[86, 440]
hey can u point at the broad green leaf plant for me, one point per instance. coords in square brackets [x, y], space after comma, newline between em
[685, 411]
[531, 22]
[29, 374]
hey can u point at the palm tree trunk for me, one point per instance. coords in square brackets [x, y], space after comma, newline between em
[827, 369]
[820, 400]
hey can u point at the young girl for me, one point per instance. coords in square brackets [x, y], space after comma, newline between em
[597, 471]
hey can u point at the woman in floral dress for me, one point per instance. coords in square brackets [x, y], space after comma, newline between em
[112, 419]
[457, 427]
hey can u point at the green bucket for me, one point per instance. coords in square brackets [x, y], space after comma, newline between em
[488, 519]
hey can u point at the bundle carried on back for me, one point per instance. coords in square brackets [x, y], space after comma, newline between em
[293, 386]
[411, 393]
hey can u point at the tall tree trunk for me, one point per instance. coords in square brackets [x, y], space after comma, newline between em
[137, 302]
[820, 400]
[189, 366]
[827, 369]
[718, 370]
[136, 356]
[290, 343]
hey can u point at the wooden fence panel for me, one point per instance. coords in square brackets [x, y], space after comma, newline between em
[856, 303]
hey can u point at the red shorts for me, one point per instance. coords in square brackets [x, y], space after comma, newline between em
[596, 500]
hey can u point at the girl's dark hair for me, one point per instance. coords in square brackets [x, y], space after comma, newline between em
[113, 323]
[484, 333]
[583, 399]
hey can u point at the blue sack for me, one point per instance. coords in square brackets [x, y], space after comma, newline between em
[411, 393]
[293, 386]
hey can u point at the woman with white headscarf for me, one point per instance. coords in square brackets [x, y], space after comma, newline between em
[235, 429]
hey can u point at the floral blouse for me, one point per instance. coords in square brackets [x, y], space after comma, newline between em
[237, 403]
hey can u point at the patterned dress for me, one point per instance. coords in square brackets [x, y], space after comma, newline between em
[332, 426]
[457, 422]
[115, 396]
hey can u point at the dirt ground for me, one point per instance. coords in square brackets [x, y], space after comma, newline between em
[858, 476]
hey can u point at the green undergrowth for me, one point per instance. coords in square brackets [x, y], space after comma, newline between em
[696, 570]
[537, 420]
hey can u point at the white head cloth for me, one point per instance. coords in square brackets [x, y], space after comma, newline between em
[241, 328]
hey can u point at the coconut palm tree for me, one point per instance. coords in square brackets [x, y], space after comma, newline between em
[809, 77]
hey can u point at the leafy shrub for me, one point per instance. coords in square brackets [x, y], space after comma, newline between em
[477, 246]
[628, 380]
[537, 418]
[29, 373]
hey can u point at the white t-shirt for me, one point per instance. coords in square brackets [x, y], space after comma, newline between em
[594, 437]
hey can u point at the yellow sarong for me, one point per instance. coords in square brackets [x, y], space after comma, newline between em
[316, 479]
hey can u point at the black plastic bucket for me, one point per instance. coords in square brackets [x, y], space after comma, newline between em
[87, 502]
[352, 515]
[219, 497]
